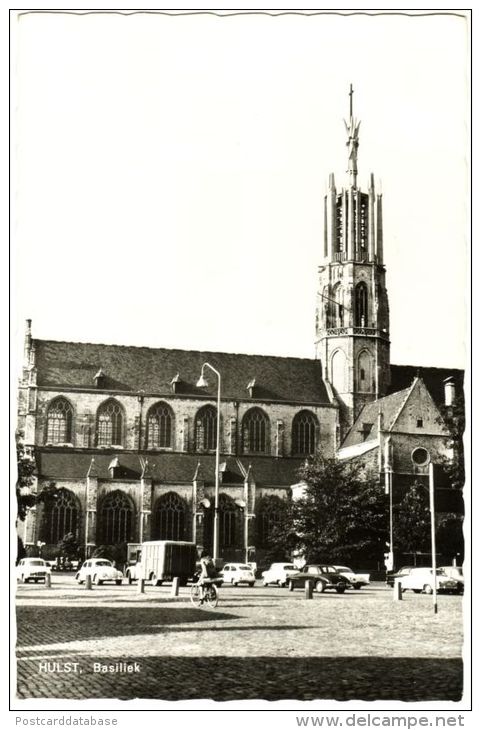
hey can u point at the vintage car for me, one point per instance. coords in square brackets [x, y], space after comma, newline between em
[357, 580]
[324, 577]
[421, 580]
[393, 574]
[32, 569]
[278, 574]
[100, 570]
[235, 573]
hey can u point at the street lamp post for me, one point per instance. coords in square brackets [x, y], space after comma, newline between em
[202, 383]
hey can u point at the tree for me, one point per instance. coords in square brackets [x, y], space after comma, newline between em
[69, 546]
[454, 418]
[25, 478]
[341, 517]
[412, 521]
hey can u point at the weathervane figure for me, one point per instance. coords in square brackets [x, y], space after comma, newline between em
[352, 129]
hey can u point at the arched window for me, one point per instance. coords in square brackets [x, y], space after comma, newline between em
[364, 372]
[206, 429]
[338, 371]
[62, 517]
[269, 515]
[159, 427]
[110, 424]
[59, 422]
[170, 517]
[227, 521]
[255, 432]
[304, 429]
[360, 307]
[116, 519]
[337, 305]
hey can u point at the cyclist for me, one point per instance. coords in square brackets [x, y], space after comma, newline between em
[208, 572]
[207, 583]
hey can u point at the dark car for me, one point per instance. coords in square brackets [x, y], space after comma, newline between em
[392, 575]
[324, 577]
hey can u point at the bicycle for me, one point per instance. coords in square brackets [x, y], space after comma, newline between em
[201, 593]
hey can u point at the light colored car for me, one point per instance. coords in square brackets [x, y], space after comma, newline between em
[235, 573]
[133, 572]
[421, 580]
[100, 570]
[358, 580]
[455, 572]
[32, 569]
[278, 573]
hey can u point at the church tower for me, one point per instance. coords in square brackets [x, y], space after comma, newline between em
[352, 315]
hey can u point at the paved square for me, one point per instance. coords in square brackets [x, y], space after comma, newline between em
[260, 643]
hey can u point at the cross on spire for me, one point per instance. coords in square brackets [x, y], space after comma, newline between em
[352, 129]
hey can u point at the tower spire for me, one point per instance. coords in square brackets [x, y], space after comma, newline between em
[352, 129]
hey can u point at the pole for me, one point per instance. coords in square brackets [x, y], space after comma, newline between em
[215, 547]
[391, 530]
[216, 493]
[433, 536]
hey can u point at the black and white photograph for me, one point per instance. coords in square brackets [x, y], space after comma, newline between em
[240, 316]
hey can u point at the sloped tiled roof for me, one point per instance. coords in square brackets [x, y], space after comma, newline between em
[389, 406]
[403, 375]
[74, 364]
[171, 468]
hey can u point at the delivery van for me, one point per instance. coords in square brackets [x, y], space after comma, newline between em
[163, 560]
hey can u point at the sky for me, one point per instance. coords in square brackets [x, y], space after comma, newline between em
[169, 174]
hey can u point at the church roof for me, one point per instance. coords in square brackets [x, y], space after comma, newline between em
[124, 368]
[389, 407]
[403, 375]
[170, 468]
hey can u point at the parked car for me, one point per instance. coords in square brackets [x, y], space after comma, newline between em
[456, 573]
[235, 573]
[325, 577]
[133, 572]
[100, 570]
[32, 569]
[357, 580]
[278, 573]
[392, 575]
[421, 580]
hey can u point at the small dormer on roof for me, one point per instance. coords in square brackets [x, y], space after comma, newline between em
[114, 467]
[175, 383]
[99, 378]
[251, 387]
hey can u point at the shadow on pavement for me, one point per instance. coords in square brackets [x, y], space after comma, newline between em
[265, 678]
[49, 625]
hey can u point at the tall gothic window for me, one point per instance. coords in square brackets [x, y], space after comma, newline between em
[59, 422]
[255, 432]
[227, 521]
[304, 428]
[337, 305]
[116, 519]
[360, 318]
[170, 517]
[159, 427]
[206, 429]
[62, 517]
[269, 515]
[109, 424]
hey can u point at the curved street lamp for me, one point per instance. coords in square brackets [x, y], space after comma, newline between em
[202, 383]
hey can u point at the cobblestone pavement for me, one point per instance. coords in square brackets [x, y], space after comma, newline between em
[260, 643]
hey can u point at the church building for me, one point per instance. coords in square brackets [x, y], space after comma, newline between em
[130, 435]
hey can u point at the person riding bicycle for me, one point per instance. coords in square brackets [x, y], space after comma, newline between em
[208, 572]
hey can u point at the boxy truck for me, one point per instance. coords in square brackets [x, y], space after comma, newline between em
[167, 559]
